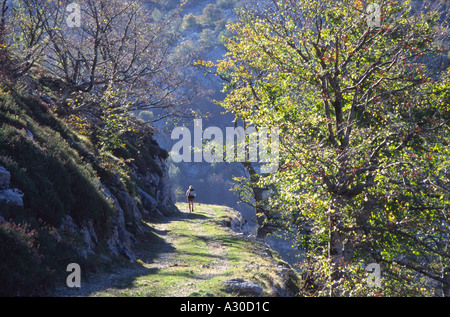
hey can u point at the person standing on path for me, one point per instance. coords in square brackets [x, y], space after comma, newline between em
[190, 196]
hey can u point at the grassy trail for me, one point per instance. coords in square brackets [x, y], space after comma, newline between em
[192, 256]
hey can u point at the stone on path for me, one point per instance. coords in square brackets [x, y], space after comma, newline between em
[243, 288]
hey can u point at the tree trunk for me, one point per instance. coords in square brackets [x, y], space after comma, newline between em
[258, 193]
[446, 284]
[262, 230]
[335, 245]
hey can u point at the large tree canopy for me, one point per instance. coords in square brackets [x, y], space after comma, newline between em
[364, 115]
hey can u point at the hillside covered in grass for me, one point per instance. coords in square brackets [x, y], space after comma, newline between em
[74, 202]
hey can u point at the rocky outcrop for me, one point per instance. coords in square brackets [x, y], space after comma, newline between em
[243, 287]
[152, 199]
[237, 223]
[90, 239]
[5, 178]
[9, 196]
[154, 189]
[119, 240]
[127, 206]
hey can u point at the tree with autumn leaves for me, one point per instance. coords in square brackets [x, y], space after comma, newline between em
[364, 118]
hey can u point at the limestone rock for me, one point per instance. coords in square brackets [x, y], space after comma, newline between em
[5, 177]
[147, 200]
[68, 224]
[153, 190]
[12, 197]
[244, 288]
[119, 240]
[89, 236]
[237, 223]
[132, 215]
[87, 233]
[158, 196]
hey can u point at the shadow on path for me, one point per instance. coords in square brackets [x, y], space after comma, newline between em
[154, 251]
[151, 248]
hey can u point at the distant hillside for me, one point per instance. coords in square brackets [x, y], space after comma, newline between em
[200, 28]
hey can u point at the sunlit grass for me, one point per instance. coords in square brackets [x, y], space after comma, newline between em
[204, 255]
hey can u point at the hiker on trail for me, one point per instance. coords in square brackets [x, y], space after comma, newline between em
[190, 196]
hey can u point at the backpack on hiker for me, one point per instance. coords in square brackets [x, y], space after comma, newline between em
[191, 193]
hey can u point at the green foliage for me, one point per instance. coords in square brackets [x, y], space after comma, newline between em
[21, 265]
[113, 122]
[189, 22]
[46, 160]
[210, 14]
[46, 168]
[364, 123]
